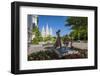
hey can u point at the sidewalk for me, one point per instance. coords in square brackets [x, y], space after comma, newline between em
[80, 45]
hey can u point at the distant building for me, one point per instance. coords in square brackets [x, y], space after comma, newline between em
[32, 22]
[46, 31]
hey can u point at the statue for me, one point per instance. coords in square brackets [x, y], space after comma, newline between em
[58, 40]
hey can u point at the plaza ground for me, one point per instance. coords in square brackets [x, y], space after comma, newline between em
[37, 48]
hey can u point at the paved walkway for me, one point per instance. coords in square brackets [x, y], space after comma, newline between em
[37, 48]
[80, 45]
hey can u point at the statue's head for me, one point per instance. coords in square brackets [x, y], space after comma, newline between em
[58, 32]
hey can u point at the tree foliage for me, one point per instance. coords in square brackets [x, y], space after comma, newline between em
[37, 34]
[78, 26]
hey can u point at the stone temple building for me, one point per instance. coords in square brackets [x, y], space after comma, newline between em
[46, 31]
[33, 22]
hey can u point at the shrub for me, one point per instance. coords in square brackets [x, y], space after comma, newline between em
[43, 55]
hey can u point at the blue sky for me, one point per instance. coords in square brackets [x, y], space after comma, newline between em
[55, 22]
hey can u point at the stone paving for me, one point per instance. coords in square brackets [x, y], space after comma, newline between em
[80, 45]
[36, 48]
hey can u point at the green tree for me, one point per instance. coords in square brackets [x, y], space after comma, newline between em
[37, 34]
[78, 26]
[48, 38]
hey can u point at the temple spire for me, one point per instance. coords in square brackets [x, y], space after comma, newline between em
[50, 31]
[46, 31]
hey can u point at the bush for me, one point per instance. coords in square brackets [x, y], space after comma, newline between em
[43, 55]
[35, 41]
[37, 34]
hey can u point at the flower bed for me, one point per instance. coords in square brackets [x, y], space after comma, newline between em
[43, 55]
[52, 55]
[82, 54]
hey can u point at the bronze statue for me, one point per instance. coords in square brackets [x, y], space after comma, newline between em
[58, 40]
